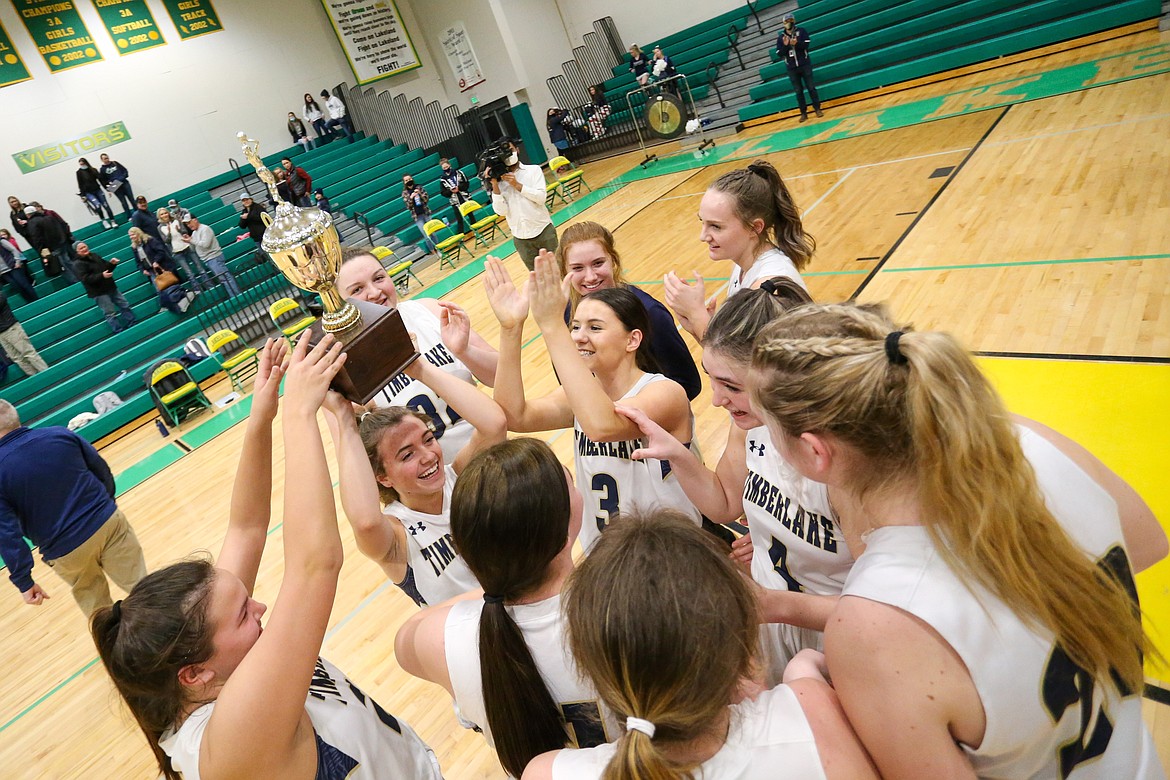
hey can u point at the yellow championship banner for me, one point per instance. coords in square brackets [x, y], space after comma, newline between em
[130, 23]
[58, 32]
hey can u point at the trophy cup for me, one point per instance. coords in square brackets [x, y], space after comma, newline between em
[306, 248]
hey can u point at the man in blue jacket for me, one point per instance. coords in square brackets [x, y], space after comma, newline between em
[56, 490]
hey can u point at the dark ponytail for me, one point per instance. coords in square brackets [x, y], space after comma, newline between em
[759, 192]
[632, 314]
[509, 521]
[145, 639]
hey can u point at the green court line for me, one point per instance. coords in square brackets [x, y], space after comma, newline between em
[146, 468]
[46, 695]
[1024, 263]
[235, 413]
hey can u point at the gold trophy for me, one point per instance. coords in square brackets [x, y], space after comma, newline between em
[306, 248]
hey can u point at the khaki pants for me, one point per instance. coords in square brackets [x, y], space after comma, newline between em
[112, 550]
[529, 248]
[16, 344]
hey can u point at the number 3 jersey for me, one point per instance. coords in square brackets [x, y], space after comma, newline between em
[1046, 718]
[452, 431]
[611, 481]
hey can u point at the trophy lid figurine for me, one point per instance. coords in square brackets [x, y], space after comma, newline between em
[306, 248]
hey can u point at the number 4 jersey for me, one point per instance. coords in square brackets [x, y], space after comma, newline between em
[1046, 718]
[452, 431]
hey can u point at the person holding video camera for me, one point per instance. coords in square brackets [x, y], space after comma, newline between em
[518, 193]
[792, 44]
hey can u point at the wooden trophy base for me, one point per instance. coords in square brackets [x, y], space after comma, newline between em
[377, 351]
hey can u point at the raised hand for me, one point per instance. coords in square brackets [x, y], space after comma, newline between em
[547, 292]
[266, 388]
[686, 299]
[454, 327]
[659, 443]
[310, 371]
[508, 304]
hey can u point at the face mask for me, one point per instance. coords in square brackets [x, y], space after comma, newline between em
[84, 167]
[511, 159]
[408, 182]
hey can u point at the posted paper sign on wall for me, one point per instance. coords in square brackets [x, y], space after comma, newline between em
[58, 32]
[130, 23]
[193, 17]
[12, 69]
[461, 57]
[373, 38]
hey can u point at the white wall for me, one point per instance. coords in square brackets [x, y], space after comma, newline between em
[640, 21]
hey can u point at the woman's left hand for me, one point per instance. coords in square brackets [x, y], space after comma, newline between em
[547, 294]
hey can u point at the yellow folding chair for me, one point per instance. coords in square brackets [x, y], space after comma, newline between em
[449, 248]
[400, 271]
[175, 393]
[568, 177]
[552, 191]
[290, 318]
[484, 228]
[234, 356]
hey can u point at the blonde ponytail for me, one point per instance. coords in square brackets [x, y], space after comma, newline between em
[923, 410]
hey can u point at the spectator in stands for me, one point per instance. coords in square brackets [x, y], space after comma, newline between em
[252, 220]
[178, 214]
[639, 66]
[300, 183]
[116, 179]
[519, 198]
[282, 185]
[792, 44]
[97, 277]
[663, 68]
[15, 341]
[338, 113]
[416, 198]
[188, 261]
[14, 269]
[313, 115]
[323, 202]
[18, 217]
[153, 260]
[296, 128]
[89, 186]
[556, 123]
[206, 245]
[596, 113]
[68, 511]
[50, 236]
[454, 186]
[144, 220]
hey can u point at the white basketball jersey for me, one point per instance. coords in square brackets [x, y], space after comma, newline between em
[542, 626]
[769, 739]
[1045, 717]
[611, 482]
[797, 544]
[356, 738]
[452, 431]
[769, 264]
[439, 573]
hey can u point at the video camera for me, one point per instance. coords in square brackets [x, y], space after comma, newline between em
[491, 160]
